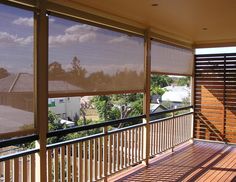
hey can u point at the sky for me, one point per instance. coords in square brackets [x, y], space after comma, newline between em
[217, 50]
[16, 39]
[98, 49]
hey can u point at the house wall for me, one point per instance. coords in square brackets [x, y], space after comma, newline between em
[66, 107]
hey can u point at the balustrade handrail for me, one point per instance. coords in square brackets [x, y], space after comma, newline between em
[92, 126]
[18, 154]
[62, 132]
[77, 140]
[171, 117]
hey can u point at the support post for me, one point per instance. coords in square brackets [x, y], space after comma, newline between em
[146, 100]
[41, 87]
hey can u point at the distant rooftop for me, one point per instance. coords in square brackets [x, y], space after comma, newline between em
[23, 82]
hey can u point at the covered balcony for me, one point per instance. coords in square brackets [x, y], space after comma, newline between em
[116, 47]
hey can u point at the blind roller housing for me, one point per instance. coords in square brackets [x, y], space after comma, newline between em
[168, 59]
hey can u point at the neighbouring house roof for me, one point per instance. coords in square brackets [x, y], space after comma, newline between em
[157, 108]
[23, 82]
[176, 93]
[14, 119]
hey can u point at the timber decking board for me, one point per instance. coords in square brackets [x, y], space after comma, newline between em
[201, 161]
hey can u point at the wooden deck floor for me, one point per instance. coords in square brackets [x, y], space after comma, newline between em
[201, 161]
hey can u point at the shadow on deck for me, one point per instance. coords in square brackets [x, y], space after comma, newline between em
[201, 161]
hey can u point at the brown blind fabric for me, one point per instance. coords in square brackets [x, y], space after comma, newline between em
[16, 71]
[215, 97]
[170, 59]
[85, 59]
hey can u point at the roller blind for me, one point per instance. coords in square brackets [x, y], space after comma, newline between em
[90, 59]
[169, 59]
[16, 71]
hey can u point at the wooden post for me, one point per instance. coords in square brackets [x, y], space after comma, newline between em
[41, 88]
[146, 100]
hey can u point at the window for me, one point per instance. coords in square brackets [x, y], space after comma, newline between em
[16, 71]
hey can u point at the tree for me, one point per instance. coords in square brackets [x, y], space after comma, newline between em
[161, 80]
[157, 90]
[184, 81]
[55, 71]
[118, 106]
[77, 73]
[3, 73]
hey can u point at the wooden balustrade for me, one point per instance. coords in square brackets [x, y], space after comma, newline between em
[167, 133]
[18, 167]
[96, 157]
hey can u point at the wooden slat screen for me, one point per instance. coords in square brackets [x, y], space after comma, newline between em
[215, 97]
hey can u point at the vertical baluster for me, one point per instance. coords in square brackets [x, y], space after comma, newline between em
[105, 153]
[151, 139]
[49, 165]
[32, 167]
[90, 160]
[173, 132]
[132, 146]
[16, 170]
[110, 154]
[184, 127]
[100, 157]
[7, 170]
[155, 138]
[114, 152]
[125, 148]
[141, 146]
[81, 174]
[136, 145]
[168, 132]
[122, 149]
[56, 171]
[165, 135]
[75, 162]
[179, 131]
[129, 143]
[162, 137]
[85, 158]
[62, 163]
[68, 163]
[118, 151]
[95, 159]
[24, 168]
[156, 144]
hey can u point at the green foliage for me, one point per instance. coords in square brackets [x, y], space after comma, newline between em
[118, 106]
[184, 81]
[160, 80]
[157, 90]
